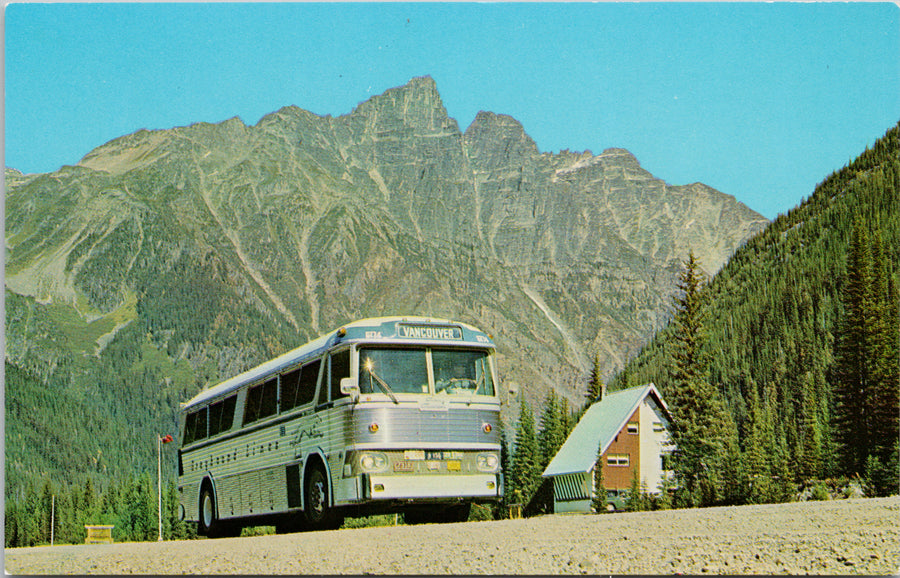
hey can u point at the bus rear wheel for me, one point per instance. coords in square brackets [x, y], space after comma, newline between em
[207, 512]
[209, 524]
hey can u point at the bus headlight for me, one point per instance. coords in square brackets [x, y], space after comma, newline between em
[373, 462]
[487, 462]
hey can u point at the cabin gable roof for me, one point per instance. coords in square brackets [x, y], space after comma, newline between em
[602, 421]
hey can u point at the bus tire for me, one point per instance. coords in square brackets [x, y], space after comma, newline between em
[210, 525]
[207, 523]
[318, 514]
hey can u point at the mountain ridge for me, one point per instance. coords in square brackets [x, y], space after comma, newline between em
[208, 248]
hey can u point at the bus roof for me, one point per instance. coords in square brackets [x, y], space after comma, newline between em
[393, 330]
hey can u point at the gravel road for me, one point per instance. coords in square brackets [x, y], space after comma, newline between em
[860, 536]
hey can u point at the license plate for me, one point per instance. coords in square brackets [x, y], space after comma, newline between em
[454, 465]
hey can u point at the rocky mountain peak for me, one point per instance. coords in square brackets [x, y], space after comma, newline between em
[415, 106]
[491, 133]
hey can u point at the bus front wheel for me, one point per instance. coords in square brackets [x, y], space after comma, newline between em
[317, 512]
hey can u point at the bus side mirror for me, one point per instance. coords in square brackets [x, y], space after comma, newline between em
[512, 389]
[350, 387]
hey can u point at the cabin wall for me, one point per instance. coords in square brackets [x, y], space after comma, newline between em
[618, 477]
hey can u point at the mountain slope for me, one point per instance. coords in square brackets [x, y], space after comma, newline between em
[773, 310]
[169, 259]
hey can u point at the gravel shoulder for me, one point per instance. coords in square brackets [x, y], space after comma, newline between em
[860, 536]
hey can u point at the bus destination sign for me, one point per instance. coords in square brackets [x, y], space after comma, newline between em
[446, 332]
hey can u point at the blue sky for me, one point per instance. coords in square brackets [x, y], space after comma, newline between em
[759, 100]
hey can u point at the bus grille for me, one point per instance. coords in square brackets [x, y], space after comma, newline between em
[410, 424]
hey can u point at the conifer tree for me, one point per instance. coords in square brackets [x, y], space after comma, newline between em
[598, 501]
[851, 372]
[553, 428]
[865, 374]
[702, 430]
[811, 433]
[549, 425]
[595, 383]
[524, 470]
[638, 498]
[884, 394]
[760, 445]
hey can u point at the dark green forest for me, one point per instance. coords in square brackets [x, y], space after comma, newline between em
[781, 321]
[796, 338]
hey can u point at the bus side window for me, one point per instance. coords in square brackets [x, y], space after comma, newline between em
[200, 431]
[228, 413]
[215, 418]
[340, 368]
[290, 382]
[268, 405]
[308, 380]
[190, 425]
[221, 415]
[251, 406]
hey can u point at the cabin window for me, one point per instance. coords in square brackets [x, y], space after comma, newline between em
[666, 461]
[340, 368]
[251, 406]
[617, 460]
[633, 428]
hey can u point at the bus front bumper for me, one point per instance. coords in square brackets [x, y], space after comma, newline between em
[412, 487]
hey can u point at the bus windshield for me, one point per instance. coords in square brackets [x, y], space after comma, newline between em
[456, 371]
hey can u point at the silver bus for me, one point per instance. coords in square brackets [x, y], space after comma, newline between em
[392, 414]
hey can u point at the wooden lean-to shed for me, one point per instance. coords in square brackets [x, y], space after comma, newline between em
[632, 428]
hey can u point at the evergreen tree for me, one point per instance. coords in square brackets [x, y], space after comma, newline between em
[884, 394]
[595, 383]
[553, 428]
[866, 376]
[525, 467]
[638, 497]
[760, 441]
[598, 501]
[702, 429]
[851, 371]
[811, 433]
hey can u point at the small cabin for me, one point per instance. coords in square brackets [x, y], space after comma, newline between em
[630, 427]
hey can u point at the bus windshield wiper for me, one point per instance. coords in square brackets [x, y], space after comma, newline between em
[384, 386]
[478, 384]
